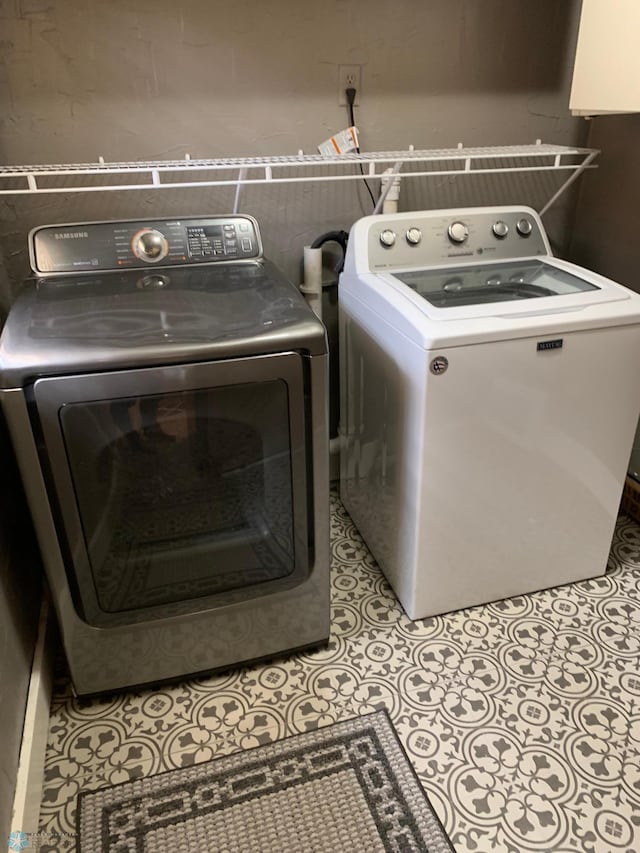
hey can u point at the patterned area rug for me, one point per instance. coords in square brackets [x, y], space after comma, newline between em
[346, 787]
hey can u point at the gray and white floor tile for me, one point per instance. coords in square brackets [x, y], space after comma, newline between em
[521, 717]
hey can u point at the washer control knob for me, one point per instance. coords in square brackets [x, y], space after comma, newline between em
[524, 227]
[413, 235]
[458, 232]
[150, 245]
[388, 238]
[500, 229]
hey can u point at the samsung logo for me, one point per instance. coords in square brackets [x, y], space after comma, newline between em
[542, 345]
[70, 235]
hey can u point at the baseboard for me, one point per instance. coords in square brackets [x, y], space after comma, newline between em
[29, 783]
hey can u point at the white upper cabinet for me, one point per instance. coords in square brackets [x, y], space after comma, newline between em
[606, 75]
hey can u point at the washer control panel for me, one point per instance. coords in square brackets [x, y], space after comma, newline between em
[434, 238]
[135, 244]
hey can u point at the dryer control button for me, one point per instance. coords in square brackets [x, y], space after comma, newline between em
[413, 235]
[388, 238]
[458, 232]
[500, 229]
[524, 227]
[150, 245]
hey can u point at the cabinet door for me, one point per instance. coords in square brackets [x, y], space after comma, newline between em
[607, 63]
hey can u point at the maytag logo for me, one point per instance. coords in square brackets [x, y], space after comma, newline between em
[543, 345]
[70, 235]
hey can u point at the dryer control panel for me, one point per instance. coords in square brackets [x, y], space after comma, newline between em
[136, 244]
[436, 238]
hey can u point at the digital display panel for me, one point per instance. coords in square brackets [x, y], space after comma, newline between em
[205, 231]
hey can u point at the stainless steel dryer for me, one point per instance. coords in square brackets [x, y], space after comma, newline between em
[166, 392]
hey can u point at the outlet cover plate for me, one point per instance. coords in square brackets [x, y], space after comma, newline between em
[349, 75]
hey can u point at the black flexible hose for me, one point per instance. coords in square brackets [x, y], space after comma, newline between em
[340, 237]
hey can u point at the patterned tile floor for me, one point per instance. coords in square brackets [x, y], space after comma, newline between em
[522, 718]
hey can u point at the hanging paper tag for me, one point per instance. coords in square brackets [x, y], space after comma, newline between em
[341, 143]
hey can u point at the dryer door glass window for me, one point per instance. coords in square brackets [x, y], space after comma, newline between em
[183, 496]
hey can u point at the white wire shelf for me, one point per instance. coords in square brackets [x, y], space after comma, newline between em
[301, 168]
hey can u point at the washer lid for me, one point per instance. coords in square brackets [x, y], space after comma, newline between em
[476, 303]
[507, 289]
[481, 285]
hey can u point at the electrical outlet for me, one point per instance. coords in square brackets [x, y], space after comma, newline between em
[349, 76]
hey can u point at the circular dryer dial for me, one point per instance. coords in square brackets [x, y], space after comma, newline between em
[150, 245]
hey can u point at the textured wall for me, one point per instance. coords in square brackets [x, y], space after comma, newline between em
[83, 78]
[89, 77]
[607, 223]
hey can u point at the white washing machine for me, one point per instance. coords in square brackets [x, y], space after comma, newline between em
[489, 399]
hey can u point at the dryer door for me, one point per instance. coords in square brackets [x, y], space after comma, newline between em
[178, 488]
